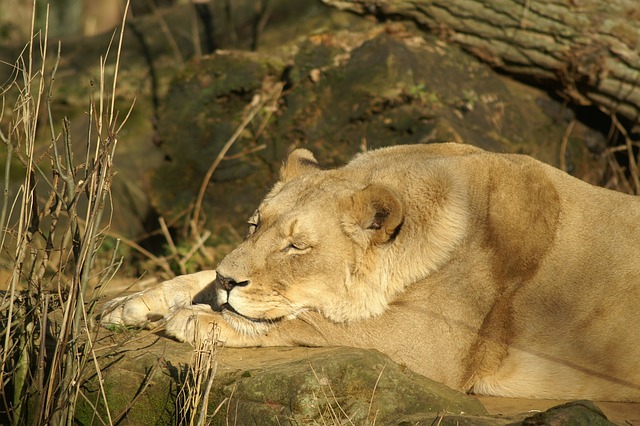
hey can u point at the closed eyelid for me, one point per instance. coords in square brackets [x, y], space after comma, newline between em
[300, 244]
[296, 248]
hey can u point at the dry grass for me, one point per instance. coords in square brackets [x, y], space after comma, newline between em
[330, 410]
[46, 331]
[196, 381]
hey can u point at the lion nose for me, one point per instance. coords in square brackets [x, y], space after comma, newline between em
[229, 283]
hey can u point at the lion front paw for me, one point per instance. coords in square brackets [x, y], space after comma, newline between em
[150, 307]
[193, 324]
[130, 311]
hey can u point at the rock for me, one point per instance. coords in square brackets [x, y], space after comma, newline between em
[144, 375]
[269, 386]
[155, 48]
[341, 385]
[575, 413]
[206, 105]
[536, 48]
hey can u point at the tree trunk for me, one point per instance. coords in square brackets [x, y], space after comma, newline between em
[589, 49]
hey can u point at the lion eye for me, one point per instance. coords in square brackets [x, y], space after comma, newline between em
[296, 248]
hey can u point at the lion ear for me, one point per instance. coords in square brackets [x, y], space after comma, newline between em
[377, 213]
[300, 162]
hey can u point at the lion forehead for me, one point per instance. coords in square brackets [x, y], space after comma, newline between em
[306, 204]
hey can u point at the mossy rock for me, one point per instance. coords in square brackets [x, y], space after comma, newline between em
[206, 105]
[143, 377]
[337, 385]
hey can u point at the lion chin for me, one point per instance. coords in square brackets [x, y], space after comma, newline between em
[491, 273]
[247, 325]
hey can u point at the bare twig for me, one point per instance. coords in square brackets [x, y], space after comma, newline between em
[161, 262]
[198, 244]
[628, 146]
[373, 394]
[55, 379]
[563, 145]
[256, 105]
[167, 33]
[193, 400]
[167, 235]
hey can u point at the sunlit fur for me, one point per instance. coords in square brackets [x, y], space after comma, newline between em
[491, 273]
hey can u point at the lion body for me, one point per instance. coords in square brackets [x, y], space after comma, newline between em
[491, 273]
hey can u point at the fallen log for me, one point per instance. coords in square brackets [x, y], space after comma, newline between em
[587, 50]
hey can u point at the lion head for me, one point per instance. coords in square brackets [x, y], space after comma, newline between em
[340, 242]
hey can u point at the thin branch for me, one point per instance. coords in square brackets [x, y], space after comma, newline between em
[115, 73]
[167, 235]
[563, 145]
[248, 118]
[199, 243]
[137, 247]
[633, 162]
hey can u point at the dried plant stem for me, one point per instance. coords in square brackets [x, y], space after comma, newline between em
[373, 394]
[632, 187]
[257, 105]
[28, 108]
[633, 163]
[193, 399]
[563, 145]
[5, 192]
[53, 382]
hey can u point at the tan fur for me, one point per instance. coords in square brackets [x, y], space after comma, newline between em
[491, 273]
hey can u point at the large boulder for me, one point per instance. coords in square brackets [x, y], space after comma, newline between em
[339, 385]
[268, 386]
[144, 378]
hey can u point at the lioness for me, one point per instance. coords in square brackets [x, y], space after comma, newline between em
[492, 273]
